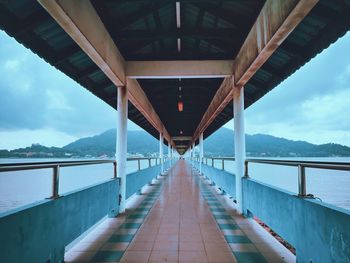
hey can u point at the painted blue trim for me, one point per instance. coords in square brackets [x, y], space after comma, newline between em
[40, 232]
[319, 232]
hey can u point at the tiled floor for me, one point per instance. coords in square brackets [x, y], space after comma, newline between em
[181, 219]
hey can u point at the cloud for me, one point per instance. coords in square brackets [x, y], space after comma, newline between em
[329, 111]
[11, 65]
[38, 96]
[24, 137]
[312, 104]
[57, 100]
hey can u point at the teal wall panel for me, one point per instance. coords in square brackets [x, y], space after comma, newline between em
[320, 232]
[39, 232]
[223, 179]
[135, 181]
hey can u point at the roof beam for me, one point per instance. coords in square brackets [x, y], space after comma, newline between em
[81, 22]
[221, 98]
[182, 138]
[275, 22]
[179, 69]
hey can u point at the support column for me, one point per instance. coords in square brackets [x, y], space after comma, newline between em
[161, 140]
[201, 153]
[122, 128]
[194, 152]
[239, 135]
[171, 153]
[169, 150]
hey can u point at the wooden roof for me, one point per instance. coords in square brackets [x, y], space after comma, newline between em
[147, 30]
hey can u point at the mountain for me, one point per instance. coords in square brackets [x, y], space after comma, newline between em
[221, 143]
[36, 151]
[139, 142]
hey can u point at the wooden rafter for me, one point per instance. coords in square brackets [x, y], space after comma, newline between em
[80, 20]
[275, 22]
[179, 69]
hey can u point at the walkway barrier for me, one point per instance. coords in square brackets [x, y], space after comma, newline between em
[39, 232]
[319, 232]
[224, 180]
[135, 181]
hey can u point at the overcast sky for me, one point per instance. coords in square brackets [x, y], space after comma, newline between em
[39, 104]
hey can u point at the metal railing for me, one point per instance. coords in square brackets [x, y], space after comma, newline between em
[139, 159]
[213, 159]
[56, 166]
[301, 165]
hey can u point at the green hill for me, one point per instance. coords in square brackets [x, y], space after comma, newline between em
[220, 143]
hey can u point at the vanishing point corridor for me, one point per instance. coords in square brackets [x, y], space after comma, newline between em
[179, 219]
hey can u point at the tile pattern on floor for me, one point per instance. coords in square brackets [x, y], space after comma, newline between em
[182, 220]
[180, 226]
[114, 247]
[242, 247]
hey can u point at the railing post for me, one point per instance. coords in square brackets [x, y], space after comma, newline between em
[55, 181]
[246, 174]
[206, 161]
[114, 169]
[212, 162]
[301, 180]
[138, 164]
[223, 164]
[149, 162]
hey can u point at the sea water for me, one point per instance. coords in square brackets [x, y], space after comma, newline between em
[19, 188]
[330, 186]
[24, 187]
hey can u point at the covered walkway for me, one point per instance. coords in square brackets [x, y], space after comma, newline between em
[180, 70]
[179, 219]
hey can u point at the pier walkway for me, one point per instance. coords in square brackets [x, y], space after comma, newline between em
[181, 218]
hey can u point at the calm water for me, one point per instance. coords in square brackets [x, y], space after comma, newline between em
[24, 187]
[330, 186]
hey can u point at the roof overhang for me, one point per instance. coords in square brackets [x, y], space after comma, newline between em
[195, 52]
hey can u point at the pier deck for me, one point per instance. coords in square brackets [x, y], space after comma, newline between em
[179, 219]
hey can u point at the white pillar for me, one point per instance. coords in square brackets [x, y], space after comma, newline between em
[239, 134]
[161, 140]
[194, 150]
[122, 129]
[169, 148]
[201, 153]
